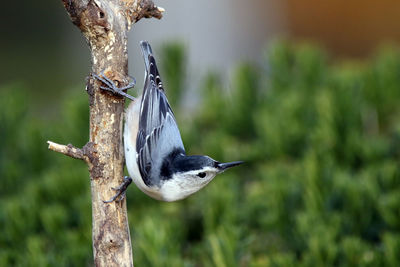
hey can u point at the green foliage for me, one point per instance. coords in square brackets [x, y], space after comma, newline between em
[320, 187]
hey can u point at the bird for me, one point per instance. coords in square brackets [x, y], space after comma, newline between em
[154, 152]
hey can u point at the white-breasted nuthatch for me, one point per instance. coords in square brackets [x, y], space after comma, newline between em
[154, 152]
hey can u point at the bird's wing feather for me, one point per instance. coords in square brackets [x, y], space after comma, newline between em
[158, 132]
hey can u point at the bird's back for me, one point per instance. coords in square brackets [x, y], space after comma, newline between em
[158, 133]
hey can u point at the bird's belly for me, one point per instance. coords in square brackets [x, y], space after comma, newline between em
[130, 135]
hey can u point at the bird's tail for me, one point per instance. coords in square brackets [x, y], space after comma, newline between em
[147, 53]
[150, 65]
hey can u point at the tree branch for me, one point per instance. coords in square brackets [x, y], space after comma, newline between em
[105, 25]
[68, 150]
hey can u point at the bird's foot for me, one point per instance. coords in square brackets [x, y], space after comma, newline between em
[121, 190]
[111, 87]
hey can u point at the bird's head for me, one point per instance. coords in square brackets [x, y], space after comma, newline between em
[191, 173]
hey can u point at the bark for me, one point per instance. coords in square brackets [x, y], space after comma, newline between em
[105, 25]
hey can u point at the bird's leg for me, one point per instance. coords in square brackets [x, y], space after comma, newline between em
[121, 190]
[110, 86]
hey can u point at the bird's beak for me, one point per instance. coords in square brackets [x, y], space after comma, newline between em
[224, 166]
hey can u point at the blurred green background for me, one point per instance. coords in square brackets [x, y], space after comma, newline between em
[320, 138]
[320, 186]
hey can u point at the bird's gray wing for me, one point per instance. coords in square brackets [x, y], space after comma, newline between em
[158, 133]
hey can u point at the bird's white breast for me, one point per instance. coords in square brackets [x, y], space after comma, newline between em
[130, 134]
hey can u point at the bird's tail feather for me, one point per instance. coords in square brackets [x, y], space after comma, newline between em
[151, 69]
[146, 51]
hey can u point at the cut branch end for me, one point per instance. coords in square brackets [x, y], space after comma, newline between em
[68, 150]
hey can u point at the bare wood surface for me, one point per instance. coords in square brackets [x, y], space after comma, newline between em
[105, 25]
[68, 150]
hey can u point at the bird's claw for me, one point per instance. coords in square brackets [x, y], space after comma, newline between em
[111, 87]
[121, 190]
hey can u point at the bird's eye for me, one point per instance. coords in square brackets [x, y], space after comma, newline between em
[201, 174]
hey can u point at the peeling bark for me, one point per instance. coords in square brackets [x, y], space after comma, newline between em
[105, 25]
